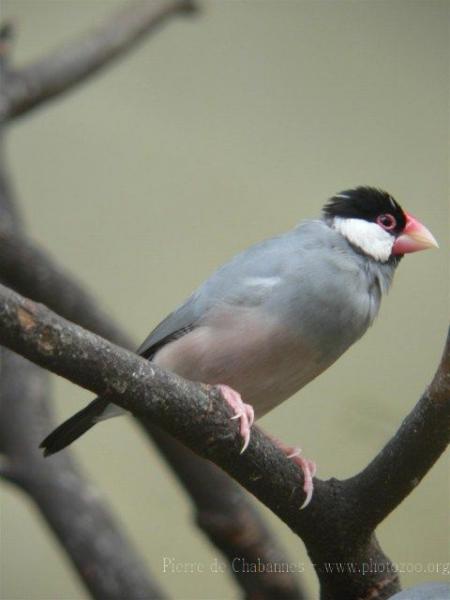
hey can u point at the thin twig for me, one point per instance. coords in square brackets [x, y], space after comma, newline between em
[68, 66]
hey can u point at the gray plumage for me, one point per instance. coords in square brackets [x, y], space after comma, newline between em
[278, 314]
[274, 317]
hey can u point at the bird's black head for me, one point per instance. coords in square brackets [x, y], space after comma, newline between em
[369, 204]
[375, 224]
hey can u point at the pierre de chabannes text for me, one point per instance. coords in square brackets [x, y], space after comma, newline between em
[171, 565]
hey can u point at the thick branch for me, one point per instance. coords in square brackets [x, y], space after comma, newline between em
[195, 414]
[132, 382]
[75, 62]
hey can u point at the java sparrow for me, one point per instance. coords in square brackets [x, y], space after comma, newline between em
[281, 312]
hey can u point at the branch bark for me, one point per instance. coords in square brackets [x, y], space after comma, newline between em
[333, 527]
[68, 66]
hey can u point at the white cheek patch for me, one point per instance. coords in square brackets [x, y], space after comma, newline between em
[369, 237]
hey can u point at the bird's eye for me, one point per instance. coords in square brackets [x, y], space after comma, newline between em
[387, 222]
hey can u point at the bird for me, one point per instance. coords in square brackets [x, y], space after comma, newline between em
[278, 314]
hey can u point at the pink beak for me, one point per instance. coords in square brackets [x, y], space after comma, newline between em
[415, 237]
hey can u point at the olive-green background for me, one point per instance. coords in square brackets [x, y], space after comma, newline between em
[218, 131]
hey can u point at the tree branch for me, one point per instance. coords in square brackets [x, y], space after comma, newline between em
[222, 511]
[68, 66]
[108, 566]
[331, 526]
[410, 454]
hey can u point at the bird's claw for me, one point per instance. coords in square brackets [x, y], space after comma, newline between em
[243, 412]
[309, 469]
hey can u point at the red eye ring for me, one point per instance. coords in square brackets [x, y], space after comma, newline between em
[387, 222]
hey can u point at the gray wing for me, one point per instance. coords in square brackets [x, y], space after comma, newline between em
[178, 323]
[249, 279]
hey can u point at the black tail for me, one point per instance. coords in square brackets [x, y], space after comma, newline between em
[71, 429]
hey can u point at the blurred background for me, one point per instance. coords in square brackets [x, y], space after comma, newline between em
[218, 131]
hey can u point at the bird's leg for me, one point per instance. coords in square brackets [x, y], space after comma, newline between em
[308, 467]
[242, 411]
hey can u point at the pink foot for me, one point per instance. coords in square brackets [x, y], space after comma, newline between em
[242, 411]
[308, 468]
